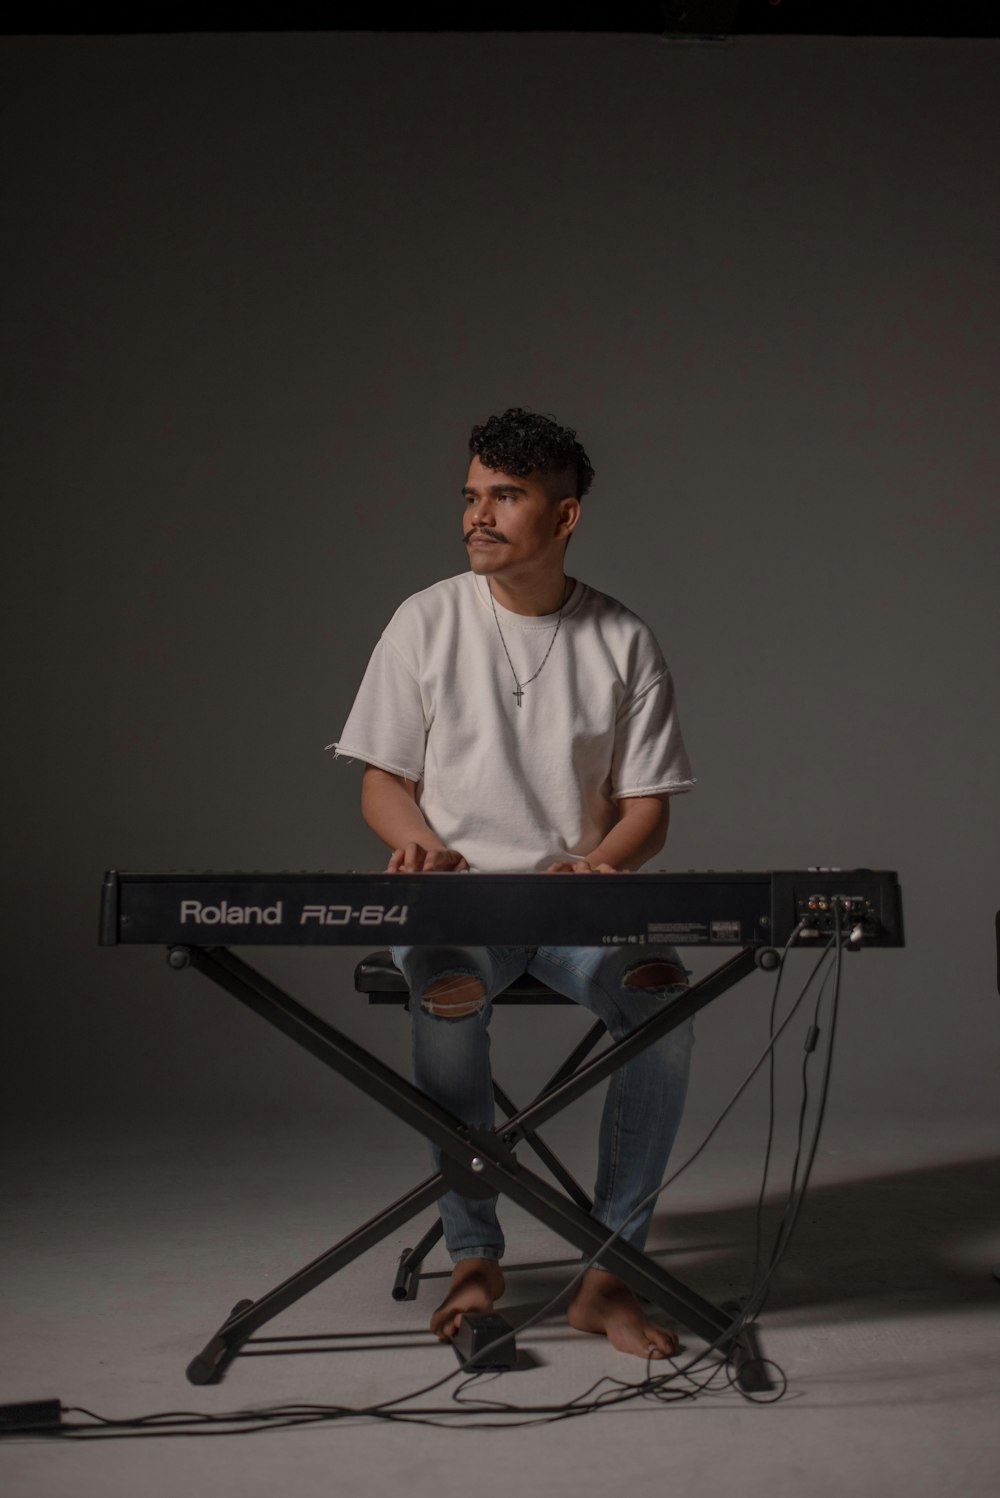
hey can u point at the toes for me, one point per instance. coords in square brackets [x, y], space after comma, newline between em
[445, 1327]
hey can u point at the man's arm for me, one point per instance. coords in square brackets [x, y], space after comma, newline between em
[389, 806]
[641, 831]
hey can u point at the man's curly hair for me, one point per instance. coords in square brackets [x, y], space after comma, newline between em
[522, 442]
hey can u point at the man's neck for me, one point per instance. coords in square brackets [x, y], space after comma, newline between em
[535, 596]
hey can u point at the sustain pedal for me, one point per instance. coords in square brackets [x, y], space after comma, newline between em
[475, 1336]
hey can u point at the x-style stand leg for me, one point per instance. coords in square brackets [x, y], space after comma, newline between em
[476, 1162]
[411, 1259]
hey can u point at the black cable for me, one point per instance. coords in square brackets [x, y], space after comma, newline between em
[281, 1416]
[652, 1196]
[759, 1214]
[740, 1321]
[759, 1210]
[789, 1227]
[797, 1193]
[807, 1054]
[663, 1388]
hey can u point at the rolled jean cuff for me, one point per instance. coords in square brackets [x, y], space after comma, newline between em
[486, 1252]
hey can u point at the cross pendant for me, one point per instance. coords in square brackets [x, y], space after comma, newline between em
[518, 694]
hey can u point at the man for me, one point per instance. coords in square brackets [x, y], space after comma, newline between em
[512, 718]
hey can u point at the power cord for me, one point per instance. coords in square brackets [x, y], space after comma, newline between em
[681, 1384]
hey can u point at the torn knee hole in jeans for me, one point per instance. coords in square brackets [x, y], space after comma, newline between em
[454, 997]
[655, 975]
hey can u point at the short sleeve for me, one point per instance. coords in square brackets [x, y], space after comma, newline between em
[649, 756]
[386, 725]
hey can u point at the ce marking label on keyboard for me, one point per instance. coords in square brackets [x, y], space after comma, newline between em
[343, 915]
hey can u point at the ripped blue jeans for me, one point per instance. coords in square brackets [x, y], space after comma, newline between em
[645, 1098]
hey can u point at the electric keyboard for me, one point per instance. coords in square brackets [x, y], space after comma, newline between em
[742, 909]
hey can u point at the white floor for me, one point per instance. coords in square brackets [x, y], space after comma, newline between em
[124, 1251]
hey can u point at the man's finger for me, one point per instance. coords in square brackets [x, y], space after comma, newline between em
[413, 860]
[441, 860]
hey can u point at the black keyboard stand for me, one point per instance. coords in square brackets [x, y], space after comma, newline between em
[411, 1259]
[476, 1162]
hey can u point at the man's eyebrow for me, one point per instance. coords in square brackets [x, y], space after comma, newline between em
[495, 489]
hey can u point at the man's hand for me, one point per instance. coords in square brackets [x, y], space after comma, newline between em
[415, 859]
[579, 866]
[639, 833]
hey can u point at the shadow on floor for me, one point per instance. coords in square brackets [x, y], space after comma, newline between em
[907, 1243]
[921, 1240]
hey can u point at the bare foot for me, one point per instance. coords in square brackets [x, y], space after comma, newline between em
[475, 1285]
[605, 1305]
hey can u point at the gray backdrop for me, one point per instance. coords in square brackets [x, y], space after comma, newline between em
[258, 288]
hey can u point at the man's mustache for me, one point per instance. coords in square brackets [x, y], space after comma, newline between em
[484, 530]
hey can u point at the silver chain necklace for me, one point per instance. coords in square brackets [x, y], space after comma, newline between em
[520, 685]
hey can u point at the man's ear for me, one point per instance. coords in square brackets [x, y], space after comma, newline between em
[569, 514]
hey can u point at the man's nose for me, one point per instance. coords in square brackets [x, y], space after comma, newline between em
[481, 513]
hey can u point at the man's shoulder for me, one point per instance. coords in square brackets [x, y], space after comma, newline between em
[624, 640]
[449, 592]
[611, 613]
[428, 622]
[460, 587]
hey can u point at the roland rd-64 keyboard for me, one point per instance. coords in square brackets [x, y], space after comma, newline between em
[351, 909]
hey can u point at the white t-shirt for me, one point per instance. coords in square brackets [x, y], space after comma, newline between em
[515, 788]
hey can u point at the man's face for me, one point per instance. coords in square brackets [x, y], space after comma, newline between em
[509, 523]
